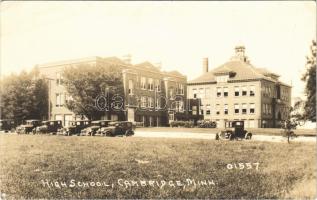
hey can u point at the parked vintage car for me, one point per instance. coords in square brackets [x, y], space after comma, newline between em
[48, 127]
[234, 130]
[74, 127]
[7, 125]
[122, 128]
[94, 127]
[206, 124]
[28, 126]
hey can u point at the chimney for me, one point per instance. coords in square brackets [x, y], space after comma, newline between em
[205, 65]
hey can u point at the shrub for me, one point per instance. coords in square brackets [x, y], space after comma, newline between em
[206, 124]
[186, 124]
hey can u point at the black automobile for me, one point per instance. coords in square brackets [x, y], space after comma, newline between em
[94, 127]
[7, 125]
[234, 130]
[122, 128]
[28, 126]
[50, 126]
[74, 127]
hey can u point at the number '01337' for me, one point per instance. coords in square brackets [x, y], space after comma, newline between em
[242, 166]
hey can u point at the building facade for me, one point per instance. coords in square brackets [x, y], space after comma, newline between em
[151, 96]
[237, 90]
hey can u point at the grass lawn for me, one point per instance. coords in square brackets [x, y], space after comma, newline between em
[285, 170]
[255, 131]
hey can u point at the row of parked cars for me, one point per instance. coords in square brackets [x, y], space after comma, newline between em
[78, 127]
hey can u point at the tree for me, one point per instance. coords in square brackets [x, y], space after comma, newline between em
[310, 89]
[24, 96]
[85, 84]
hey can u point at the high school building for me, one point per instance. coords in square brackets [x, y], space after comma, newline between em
[151, 96]
[237, 90]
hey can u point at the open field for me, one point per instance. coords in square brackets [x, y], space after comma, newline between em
[255, 131]
[284, 170]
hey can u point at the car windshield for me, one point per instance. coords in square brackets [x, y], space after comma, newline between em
[112, 123]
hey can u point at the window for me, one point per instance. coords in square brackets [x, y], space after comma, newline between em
[171, 93]
[226, 109]
[143, 102]
[252, 90]
[60, 99]
[171, 116]
[244, 91]
[158, 103]
[130, 87]
[150, 102]
[194, 109]
[269, 91]
[252, 108]
[244, 108]
[194, 93]
[236, 109]
[269, 109]
[180, 89]
[201, 93]
[236, 91]
[201, 111]
[68, 97]
[179, 106]
[158, 85]
[207, 109]
[225, 91]
[143, 84]
[264, 108]
[218, 92]
[59, 78]
[217, 109]
[150, 84]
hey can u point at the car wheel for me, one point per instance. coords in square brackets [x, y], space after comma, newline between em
[108, 133]
[231, 136]
[129, 133]
[217, 136]
[249, 136]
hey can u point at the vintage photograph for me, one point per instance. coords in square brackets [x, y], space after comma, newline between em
[158, 100]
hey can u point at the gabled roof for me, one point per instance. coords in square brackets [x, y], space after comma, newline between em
[147, 65]
[238, 68]
[115, 60]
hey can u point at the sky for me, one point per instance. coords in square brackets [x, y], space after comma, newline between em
[276, 35]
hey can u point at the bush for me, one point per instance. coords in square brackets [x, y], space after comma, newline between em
[206, 124]
[186, 124]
